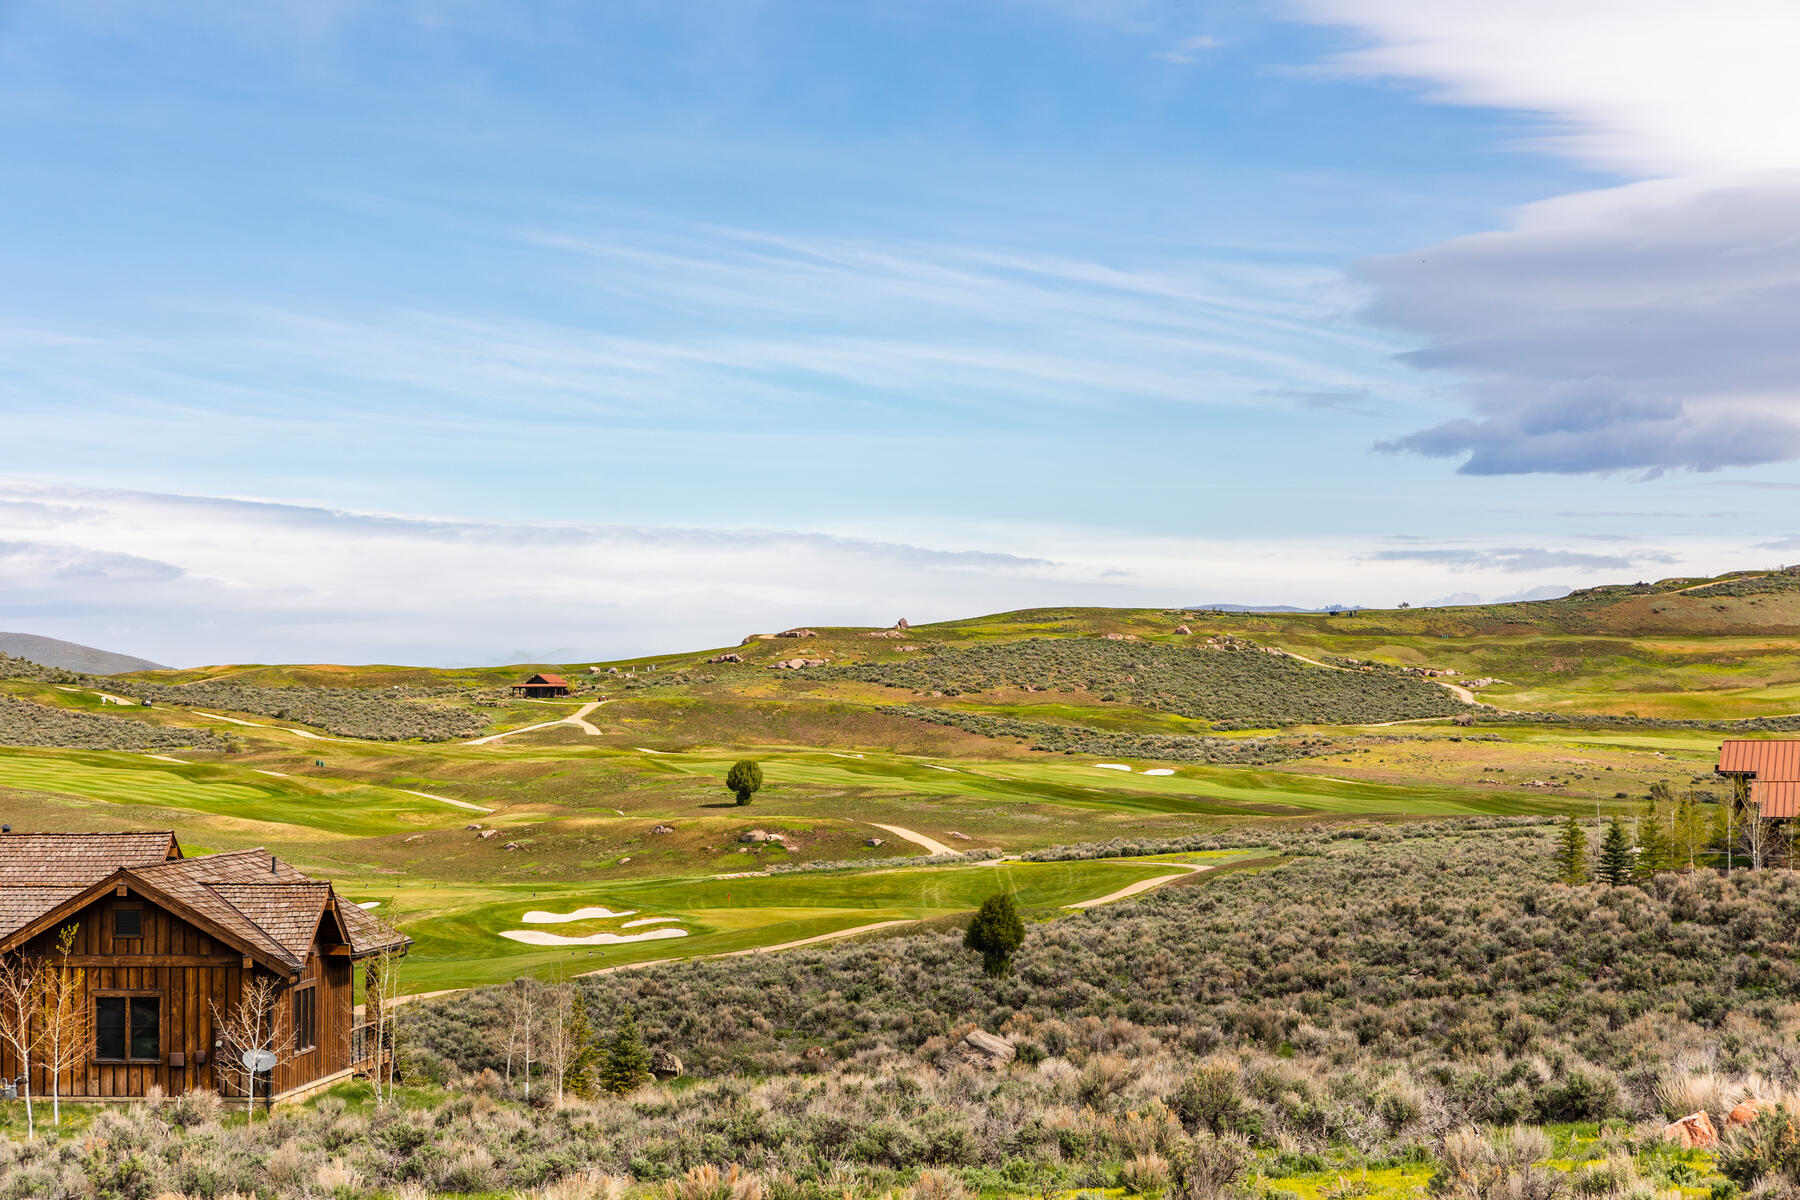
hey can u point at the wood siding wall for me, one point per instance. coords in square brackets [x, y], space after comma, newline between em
[191, 972]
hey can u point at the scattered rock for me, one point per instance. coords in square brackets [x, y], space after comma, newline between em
[471, 826]
[872, 841]
[1184, 630]
[514, 846]
[625, 860]
[795, 664]
[612, 670]
[663, 829]
[1746, 1112]
[1692, 1132]
[487, 833]
[761, 835]
[417, 837]
[901, 624]
[596, 670]
[885, 633]
[961, 837]
[798, 633]
[813, 1054]
[664, 1064]
[724, 658]
[983, 1049]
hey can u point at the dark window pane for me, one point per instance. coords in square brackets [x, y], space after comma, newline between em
[146, 1027]
[109, 1027]
[128, 922]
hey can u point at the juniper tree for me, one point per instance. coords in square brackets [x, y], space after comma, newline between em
[1572, 853]
[997, 932]
[744, 779]
[1615, 855]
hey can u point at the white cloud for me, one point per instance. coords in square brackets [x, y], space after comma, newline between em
[186, 579]
[1642, 327]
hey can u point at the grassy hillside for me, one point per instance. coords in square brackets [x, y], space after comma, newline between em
[1003, 734]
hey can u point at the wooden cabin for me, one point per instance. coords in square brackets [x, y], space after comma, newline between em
[542, 687]
[169, 947]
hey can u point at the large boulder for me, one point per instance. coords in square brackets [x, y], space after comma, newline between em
[664, 1064]
[1692, 1132]
[984, 1049]
[1746, 1112]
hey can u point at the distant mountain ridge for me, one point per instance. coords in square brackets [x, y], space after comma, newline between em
[72, 656]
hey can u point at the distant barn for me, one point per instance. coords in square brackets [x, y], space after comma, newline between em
[541, 687]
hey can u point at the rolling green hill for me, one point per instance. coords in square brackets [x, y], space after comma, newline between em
[991, 737]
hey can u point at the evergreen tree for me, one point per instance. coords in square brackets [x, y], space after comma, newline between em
[1615, 855]
[625, 1066]
[997, 932]
[744, 779]
[1652, 840]
[584, 1059]
[1572, 853]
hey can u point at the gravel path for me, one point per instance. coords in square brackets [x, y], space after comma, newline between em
[917, 839]
[1144, 885]
[577, 719]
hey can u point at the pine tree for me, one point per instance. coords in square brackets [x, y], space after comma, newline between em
[1652, 840]
[1615, 855]
[584, 1057]
[625, 1066]
[1572, 853]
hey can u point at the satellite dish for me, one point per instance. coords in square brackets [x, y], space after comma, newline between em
[259, 1062]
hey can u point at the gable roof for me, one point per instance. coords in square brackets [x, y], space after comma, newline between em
[1776, 799]
[38, 871]
[248, 899]
[546, 677]
[1764, 759]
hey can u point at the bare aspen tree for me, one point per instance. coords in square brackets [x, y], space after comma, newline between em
[65, 1024]
[559, 1044]
[20, 982]
[252, 1025]
[384, 974]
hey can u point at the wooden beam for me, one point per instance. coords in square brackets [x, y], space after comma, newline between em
[247, 962]
[150, 960]
[119, 891]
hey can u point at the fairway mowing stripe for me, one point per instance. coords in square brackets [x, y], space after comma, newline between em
[446, 800]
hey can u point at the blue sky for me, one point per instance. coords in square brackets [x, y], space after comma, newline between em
[959, 306]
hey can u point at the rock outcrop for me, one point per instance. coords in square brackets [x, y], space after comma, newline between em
[983, 1049]
[664, 1064]
[1692, 1132]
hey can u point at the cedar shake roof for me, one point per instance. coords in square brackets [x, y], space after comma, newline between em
[247, 898]
[552, 680]
[1767, 760]
[1776, 799]
[38, 871]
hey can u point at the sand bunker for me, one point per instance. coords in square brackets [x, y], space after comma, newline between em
[534, 937]
[369, 904]
[1159, 771]
[1112, 767]
[580, 914]
[647, 921]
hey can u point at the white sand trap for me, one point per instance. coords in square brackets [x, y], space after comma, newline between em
[590, 913]
[648, 921]
[63, 687]
[166, 758]
[534, 937]
[648, 750]
[935, 767]
[370, 904]
[835, 754]
[1159, 771]
[1112, 767]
